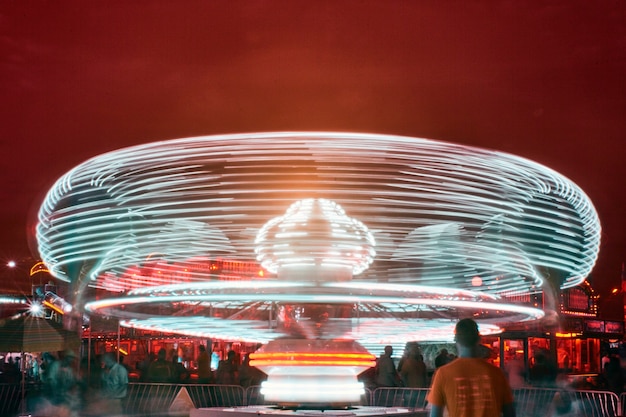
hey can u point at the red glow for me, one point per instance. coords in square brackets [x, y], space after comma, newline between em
[312, 359]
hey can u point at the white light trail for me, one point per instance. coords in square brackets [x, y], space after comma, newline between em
[423, 213]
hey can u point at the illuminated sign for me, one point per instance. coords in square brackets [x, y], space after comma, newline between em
[594, 326]
[614, 327]
[576, 299]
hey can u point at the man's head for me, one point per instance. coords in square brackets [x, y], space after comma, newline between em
[466, 333]
[108, 359]
[388, 350]
[69, 356]
[161, 354]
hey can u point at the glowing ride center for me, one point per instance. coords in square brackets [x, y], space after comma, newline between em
[350, 242]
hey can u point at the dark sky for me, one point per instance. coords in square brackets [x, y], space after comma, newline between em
[543, 80]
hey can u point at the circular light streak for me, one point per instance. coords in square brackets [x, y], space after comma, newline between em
[481, 225]
[387, 313]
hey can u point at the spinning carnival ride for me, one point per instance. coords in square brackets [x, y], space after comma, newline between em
[327, 246]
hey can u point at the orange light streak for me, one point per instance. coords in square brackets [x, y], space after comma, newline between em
[278, 362]
[312, 359]
[53, 307]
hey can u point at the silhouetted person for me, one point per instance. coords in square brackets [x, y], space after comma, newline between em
[516, 371]
[386, 373]
[413, 370]
[543, 372]
[469, 386]
[442, 359]
[227, 370]
[143, 366]
[204, 366]
[10, 371]
[64, 386]
[612, 376]
[181, 374]
[114, 385]
[161, 370]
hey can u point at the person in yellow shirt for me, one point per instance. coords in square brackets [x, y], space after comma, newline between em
[469, 386]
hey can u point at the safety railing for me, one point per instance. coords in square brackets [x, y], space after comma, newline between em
[536, 402]
[217, 395]
[145, 398]
[149, 398]
[10, 398]
[155, 399]
[596, 403]
[529, 402]
[414, 398]
[533, 402]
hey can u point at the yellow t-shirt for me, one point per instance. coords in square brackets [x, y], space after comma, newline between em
[470, 387]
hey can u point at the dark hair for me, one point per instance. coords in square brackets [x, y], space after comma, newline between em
[466, 333]
[162, 353]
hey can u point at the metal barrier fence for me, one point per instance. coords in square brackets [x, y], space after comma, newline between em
[217, 395]
[414, 398]
[597, 403]
[149, 398]
[10, 398]
[535, 402]
[155, 399]
[146, 398]
[529, 402]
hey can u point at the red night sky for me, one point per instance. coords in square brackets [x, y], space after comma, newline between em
[542, 80]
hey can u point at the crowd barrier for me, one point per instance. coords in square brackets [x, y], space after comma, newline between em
[529, 402]
[622, 401]
[154, 399]
[10, 398]
[534, 402]
[598, 403]
[414, 398]
[149, 398]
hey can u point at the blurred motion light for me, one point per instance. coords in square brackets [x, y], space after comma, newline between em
[315, 236]
[435, 231]
[326, 371]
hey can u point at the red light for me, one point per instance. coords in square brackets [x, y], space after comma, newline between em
[312, 359]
